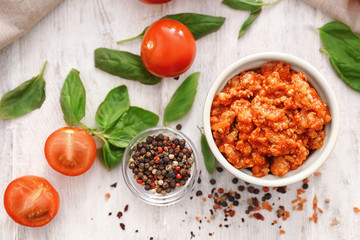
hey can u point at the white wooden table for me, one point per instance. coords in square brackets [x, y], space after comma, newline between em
[67, 37]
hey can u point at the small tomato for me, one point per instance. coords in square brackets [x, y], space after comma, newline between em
[31, 201]
[168, 48]
[70, 151]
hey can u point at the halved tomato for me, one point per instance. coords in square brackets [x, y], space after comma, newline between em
[70, 151]
[31, 201]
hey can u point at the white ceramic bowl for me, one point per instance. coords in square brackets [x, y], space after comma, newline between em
[315, 159]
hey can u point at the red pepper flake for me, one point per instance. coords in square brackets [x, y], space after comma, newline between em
[282, 231]
[122, 226]
[119, 215]
[317, 173]
[126, 207]
[357, 210]
[266, 205]
[231, 213]
[197, 218]
[107, 195]
[210, 196]
[220, 190]
[265, 189]
[258, 216]
[204, 199]
[208, 221]
[306, 180]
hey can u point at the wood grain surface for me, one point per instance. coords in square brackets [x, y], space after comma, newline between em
[67, 38]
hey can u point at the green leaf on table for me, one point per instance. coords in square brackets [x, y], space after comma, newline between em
[199, 25]
[209, 159]
[130, 124]
[246, 5]
[112, 155]
[343, 48]
[110, 110]
[73, 98]
[182, 99]
[253, 15]
[125, 65]
[25, 98]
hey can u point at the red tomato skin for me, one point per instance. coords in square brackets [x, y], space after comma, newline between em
[155, 1]
[70, 151]
[19, 204]
[168, 48]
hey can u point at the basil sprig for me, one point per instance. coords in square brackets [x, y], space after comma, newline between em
[209, 159]
[254, 6]
[182, 99]
[25, 98]
[125, 65]
[343, 49]
[118, 121]
[199, 25]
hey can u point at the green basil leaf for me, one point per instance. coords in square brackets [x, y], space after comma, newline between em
[209, 159]
[199, 25]
[131, 123]
[246, 5]
[25, 98]
[112, 156]
[73, 98]
[124, 64]
[343, 48]
[253, 15]
[110, 110]
[182, 99]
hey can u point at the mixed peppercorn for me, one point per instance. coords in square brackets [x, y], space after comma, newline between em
[161, 163]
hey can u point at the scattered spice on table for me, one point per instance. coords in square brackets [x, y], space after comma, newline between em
[317, 173]
[316, 209]
[122, 225]
[219, 169]
[126, 207]
[178, 127]
[357, 210]
[282, 231]
[107, 195]
[119, 214]
[110, 213]
[113, 185]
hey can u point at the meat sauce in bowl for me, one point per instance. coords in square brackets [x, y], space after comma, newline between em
[268, 119]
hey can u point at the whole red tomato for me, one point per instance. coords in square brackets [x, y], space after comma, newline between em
[70, 151]
[168, 48]
[31, 201]
[155, 1]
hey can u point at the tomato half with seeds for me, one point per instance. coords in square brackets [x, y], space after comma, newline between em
[155, 1]
[70, 151]
[31, 201]
[168, 48]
